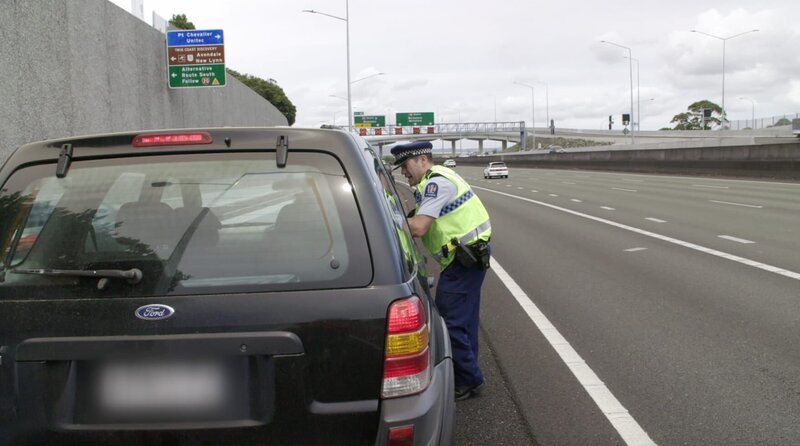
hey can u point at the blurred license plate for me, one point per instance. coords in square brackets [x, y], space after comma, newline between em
[176, 386]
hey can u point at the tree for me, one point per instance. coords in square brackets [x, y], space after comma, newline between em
[693, 118]
[181, 22]
[269, 90]
[782, 121]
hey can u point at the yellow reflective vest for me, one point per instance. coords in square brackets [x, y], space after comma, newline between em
[464, 218]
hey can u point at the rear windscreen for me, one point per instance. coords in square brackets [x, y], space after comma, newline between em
[189, 223]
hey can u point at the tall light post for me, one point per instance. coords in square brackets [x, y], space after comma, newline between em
[638, 101]
[752, 109]
[346, 20]
[533, 113]
[724, 39]
[630, 64]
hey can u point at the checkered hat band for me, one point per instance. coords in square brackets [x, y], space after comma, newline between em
[417, 152]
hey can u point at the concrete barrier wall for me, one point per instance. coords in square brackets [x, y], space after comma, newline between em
[766, 161]
[73, 67]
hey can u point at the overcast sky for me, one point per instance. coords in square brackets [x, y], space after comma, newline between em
[460, 58]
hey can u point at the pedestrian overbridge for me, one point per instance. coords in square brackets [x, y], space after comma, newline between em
[503, 132]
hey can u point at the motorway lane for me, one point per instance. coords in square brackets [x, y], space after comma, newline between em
[699, 349]
[679, 207]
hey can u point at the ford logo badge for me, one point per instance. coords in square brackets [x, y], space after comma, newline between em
[154, 312]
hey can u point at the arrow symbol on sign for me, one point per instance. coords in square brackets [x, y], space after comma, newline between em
[172, 58]
[218, 36]
[174, 75]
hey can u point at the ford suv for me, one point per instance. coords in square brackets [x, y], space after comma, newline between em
[214, 286]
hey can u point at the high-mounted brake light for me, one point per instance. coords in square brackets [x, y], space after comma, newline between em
[406, 368]
[172, 139]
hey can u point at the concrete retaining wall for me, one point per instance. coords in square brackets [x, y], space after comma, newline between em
[73, 67]
[765, 161]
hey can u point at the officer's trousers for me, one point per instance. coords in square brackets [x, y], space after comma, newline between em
[458, 299]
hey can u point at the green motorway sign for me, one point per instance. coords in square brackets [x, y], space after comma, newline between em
[197, 76]
[365, 121]
[409, 119]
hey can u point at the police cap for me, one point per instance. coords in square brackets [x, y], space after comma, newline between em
[404, 152]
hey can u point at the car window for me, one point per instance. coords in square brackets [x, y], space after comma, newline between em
[222, 222]
[394, 208]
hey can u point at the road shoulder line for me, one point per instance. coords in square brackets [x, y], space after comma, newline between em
[614, 411]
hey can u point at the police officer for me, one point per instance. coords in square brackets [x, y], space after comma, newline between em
[455, 228]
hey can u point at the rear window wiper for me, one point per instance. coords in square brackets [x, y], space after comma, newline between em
[133, 275]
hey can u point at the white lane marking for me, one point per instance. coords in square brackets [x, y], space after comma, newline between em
[657, 220]
[576, 200]
[735, 239]
[508, 185]
[737, 204]
[713, 187]
[608, 208]
[635, 249]
[534, 191]
[567, 182]
[626, 190]
[520, 188]
[615, 412]
[553, 195]
[633, 181]
[744, 261]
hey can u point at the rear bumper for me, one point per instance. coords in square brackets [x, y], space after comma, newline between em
[432, 412]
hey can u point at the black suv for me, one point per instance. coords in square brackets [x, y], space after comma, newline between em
[214, 286]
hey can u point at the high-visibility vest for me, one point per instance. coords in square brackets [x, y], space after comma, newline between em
[464, 218]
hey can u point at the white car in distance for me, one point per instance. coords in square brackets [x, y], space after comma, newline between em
[496, 169]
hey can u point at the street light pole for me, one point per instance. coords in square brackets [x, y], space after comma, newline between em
[752, 109]
[723, 39]
[546, 100]
[533, 113]
[638, 100]
[349, 84]
[346, 20]
[630, 66]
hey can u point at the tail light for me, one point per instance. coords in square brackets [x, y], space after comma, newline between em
[406, 368]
